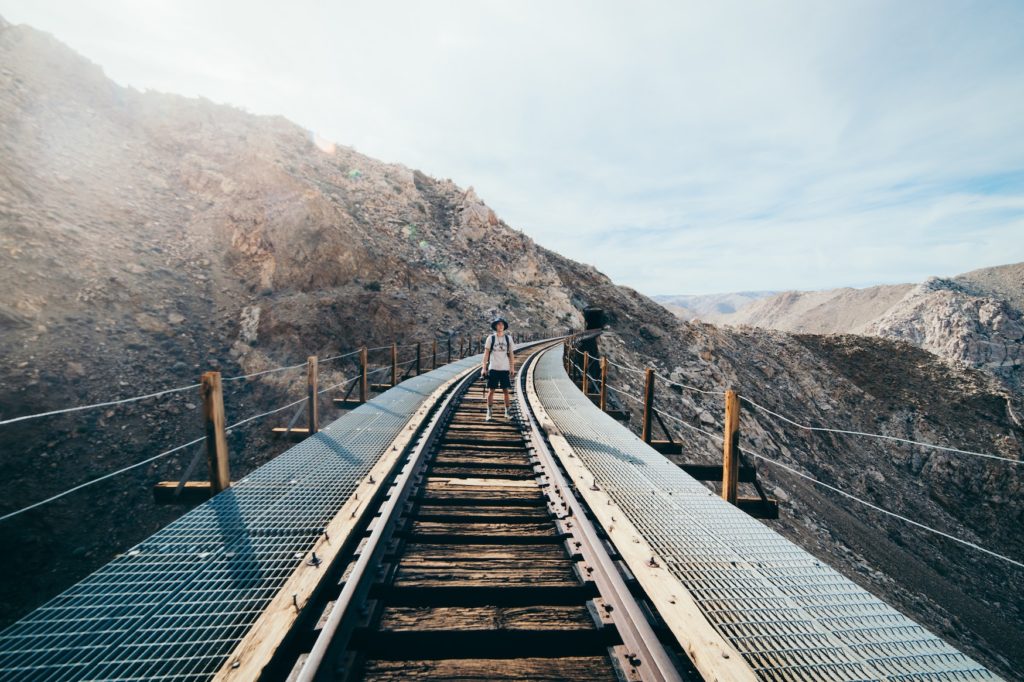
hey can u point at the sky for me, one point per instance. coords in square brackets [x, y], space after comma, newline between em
[679, 147]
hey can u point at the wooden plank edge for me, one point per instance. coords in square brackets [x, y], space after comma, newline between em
[713, 656]
[191, 492]
[255, 650]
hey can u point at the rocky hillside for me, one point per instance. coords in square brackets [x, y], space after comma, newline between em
[832, 311]
[976, 319]
[853, 383]
[146, 238]
[710, 307]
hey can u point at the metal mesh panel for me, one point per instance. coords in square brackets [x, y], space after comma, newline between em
[789, 615]
[174, 606]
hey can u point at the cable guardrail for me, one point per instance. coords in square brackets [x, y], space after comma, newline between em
[265, 372]
[110, 403]
[625, 393]
[876, 435]
[667, 380]
[365, 373]
[625, 367]
[338, 357]
[805, 427]
[168, 391]
[166, 453]
[340, 383]
[682, 422]
[101, 478]
[228, 429]
[687, 387]
[721, 440]
[917, 524]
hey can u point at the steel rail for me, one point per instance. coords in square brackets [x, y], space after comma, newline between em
[413, 463]
[634, 629]
[368, 553]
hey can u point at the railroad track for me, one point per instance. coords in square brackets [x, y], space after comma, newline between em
[480, 564]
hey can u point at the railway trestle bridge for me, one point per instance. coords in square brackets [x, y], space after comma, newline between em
[414, 539]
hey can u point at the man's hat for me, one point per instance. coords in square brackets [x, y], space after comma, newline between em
[495, 321]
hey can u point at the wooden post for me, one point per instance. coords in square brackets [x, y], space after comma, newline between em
[418, 365]
[731, 447]
[586, 366]
[449, 348]
[433, 363]
[216, 438]
[394, 363]
[604, 381]
[462, 343]
[313, 409]
[362, 382]
[648, 404]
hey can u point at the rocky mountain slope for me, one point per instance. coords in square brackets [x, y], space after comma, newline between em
[832, 311]
[710, 307]
[145, 238]
[976, 319]
[852, 383]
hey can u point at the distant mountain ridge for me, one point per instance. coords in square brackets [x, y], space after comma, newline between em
[710, 307]
[976, 318]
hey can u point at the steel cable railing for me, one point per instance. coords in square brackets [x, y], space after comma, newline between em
[768, 460]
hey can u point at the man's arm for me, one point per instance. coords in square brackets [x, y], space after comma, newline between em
[511, 358]
[487, 357]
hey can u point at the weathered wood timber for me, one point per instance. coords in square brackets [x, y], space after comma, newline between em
[469, 618]
[478, 582]
[216, 439]
[193, 492]
[566, 668]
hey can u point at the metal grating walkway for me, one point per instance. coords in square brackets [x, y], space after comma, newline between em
[176, 605]
[789, 615]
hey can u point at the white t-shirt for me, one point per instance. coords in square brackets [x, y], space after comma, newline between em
[499, 353]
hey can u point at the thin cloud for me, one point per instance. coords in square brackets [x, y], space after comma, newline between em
[678, 147]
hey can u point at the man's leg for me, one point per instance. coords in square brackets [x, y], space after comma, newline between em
[490, 399]
[507, 404]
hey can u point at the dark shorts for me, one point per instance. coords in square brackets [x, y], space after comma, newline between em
[498, 378]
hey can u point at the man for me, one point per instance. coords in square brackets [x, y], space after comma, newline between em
[499, 363]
